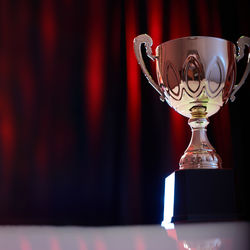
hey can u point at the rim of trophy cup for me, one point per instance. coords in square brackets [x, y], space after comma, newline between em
[197, 37]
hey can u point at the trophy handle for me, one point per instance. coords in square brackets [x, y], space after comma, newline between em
[147, 40]
[242, 42]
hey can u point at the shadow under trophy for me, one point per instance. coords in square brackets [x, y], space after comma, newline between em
[196, 77]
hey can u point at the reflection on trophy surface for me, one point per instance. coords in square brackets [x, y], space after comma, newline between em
[196, 77]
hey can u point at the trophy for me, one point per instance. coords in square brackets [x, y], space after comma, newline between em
[196, 77]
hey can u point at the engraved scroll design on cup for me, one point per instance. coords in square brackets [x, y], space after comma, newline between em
[193, 74]
[171, 81]
[193, 79]
[215, 77]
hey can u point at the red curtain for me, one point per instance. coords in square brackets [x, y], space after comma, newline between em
[83, 138]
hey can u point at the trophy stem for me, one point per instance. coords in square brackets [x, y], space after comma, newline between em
[200, 153]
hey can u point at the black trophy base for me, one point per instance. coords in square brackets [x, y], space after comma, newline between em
[196, 195]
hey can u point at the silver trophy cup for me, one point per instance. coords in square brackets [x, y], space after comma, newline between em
[196, 77]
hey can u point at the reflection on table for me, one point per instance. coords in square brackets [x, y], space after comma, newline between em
[223, 235]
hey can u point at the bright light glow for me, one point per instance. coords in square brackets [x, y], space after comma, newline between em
[168, 226]
[168, 201]
[185, 245]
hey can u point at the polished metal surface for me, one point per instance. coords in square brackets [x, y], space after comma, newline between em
[148, 42]
[196, 71]
[242, 42]
[196, 77]
[199, 153]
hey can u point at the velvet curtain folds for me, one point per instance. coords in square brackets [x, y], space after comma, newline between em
[83, 138]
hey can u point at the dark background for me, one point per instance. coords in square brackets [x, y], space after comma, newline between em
[84, 139]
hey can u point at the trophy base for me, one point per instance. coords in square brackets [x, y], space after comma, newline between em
[194, 195]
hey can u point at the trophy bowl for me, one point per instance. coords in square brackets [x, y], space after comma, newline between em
[196, 77]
